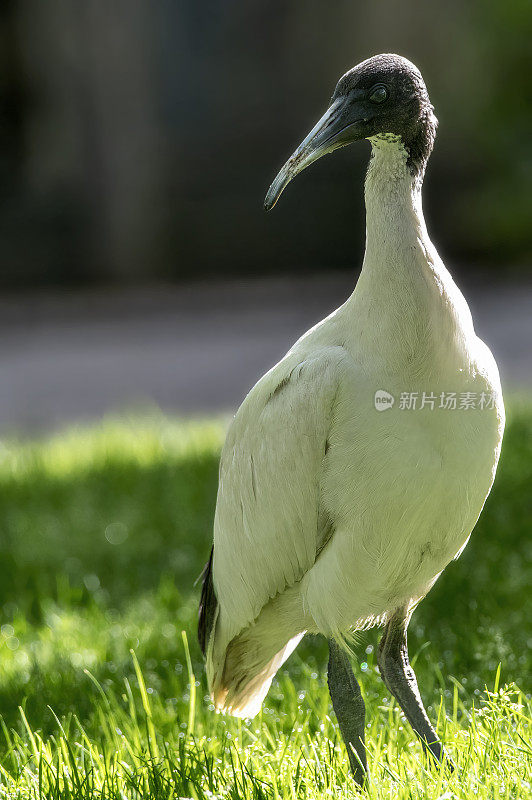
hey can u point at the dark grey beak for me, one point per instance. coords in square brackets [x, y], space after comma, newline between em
[335, 129]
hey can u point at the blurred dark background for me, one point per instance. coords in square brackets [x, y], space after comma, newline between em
[137, 139]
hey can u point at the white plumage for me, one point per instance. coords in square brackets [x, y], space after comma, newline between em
[331, 514]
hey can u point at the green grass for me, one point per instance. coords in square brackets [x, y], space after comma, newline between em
[102, 534]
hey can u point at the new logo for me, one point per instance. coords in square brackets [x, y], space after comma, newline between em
[383, 400]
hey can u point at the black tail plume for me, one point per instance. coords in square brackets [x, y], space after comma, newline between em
[207, 606]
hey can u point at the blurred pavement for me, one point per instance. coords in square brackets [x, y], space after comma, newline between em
[74, 356]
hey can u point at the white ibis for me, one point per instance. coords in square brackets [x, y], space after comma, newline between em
[355, 469]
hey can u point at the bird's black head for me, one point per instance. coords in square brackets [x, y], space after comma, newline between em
[384, 95]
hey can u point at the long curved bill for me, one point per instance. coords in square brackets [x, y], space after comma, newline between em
[330, 132]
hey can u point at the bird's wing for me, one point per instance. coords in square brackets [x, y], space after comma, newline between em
[267, 526]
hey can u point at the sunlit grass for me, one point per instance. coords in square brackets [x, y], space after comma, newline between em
[103, 532]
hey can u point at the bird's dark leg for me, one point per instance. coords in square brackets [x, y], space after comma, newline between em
[400, 680]
[349, 709]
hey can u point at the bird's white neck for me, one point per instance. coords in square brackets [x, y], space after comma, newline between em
[405, 304]
[394, 215]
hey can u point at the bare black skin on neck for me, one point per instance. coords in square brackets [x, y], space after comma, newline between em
[407, 112]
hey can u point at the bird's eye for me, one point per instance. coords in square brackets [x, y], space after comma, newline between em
[378, 94]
